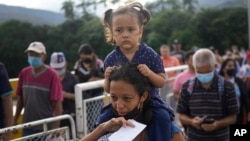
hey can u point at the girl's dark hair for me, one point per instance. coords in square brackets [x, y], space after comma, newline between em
[135, 8]
[224, 63]
[129, 73]
[85, 49]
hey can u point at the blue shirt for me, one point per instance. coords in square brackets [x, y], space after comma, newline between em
[5, 89]
[145, 55]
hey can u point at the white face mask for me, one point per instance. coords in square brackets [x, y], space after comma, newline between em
[61, 71]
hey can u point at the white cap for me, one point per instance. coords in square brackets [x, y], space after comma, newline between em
[57, 60]
[37, 47]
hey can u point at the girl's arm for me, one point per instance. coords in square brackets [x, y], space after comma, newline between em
[158, 80]
[106, 76]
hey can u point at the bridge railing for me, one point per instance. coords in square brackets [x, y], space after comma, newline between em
[62, 133]
[87, 110]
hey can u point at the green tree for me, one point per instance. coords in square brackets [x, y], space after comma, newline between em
[68, 8]
[190, 5]
[15, 37]
[221, 28]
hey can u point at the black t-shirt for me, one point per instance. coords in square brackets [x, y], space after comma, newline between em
[68, 84]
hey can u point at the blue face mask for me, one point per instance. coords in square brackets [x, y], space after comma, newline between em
[35, 62]
[205, 78]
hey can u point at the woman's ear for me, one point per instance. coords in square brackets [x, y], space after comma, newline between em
[144, 97]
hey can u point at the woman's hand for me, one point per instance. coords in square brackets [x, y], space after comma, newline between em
[116, 123]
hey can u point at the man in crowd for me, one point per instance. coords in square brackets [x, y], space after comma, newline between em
[6, 116]
[207, 103]
[39, 90]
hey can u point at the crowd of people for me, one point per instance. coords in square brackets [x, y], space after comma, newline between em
[211, 95]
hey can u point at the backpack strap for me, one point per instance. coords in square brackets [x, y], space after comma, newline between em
[221, 86]
[190, 86]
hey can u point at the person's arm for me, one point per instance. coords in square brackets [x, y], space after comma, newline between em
[94, 78]
[158, 80]
[106, 76]
[225, 122]
[95, 134]
[57, 111]
[67, 95]
[110, 126]
[19, 108]
[176, 95]
[8, 114]
[194, 122]
[106, 85]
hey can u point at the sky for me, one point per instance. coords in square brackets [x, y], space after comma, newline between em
[51, 5]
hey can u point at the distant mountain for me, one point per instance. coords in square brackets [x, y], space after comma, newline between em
[210, 3]
[42, 17]
[222, 3]
[35, 16]
[230, 4]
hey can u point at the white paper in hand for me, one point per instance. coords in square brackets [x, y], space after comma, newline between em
[127, 133]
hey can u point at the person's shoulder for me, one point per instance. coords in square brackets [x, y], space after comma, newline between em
[26, 69]
[221, 79]
[189, 82]
[70, 75]
[146, 47]
[174, 58]
[51, 71]
[2, 67]
[110, 55]
[185, 72]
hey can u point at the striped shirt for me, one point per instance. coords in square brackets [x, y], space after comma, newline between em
[208, 102]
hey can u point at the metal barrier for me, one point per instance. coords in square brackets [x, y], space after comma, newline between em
[85, 116]
[46, 135]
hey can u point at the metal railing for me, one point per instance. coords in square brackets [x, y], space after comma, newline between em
[43, 122]
[81, 105]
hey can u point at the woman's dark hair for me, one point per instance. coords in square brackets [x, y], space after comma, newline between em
[130, 74]
[85, 49]
[224, 63]
[188, 54]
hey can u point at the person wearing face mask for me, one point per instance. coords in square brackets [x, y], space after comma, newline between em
[39, 90]
[89, 68]
[130, 92]
[211, 107]
[59, 63]
[228, 70]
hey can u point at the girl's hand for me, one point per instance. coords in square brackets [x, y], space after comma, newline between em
[144, 70]
[108, 71]
[116, 123]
